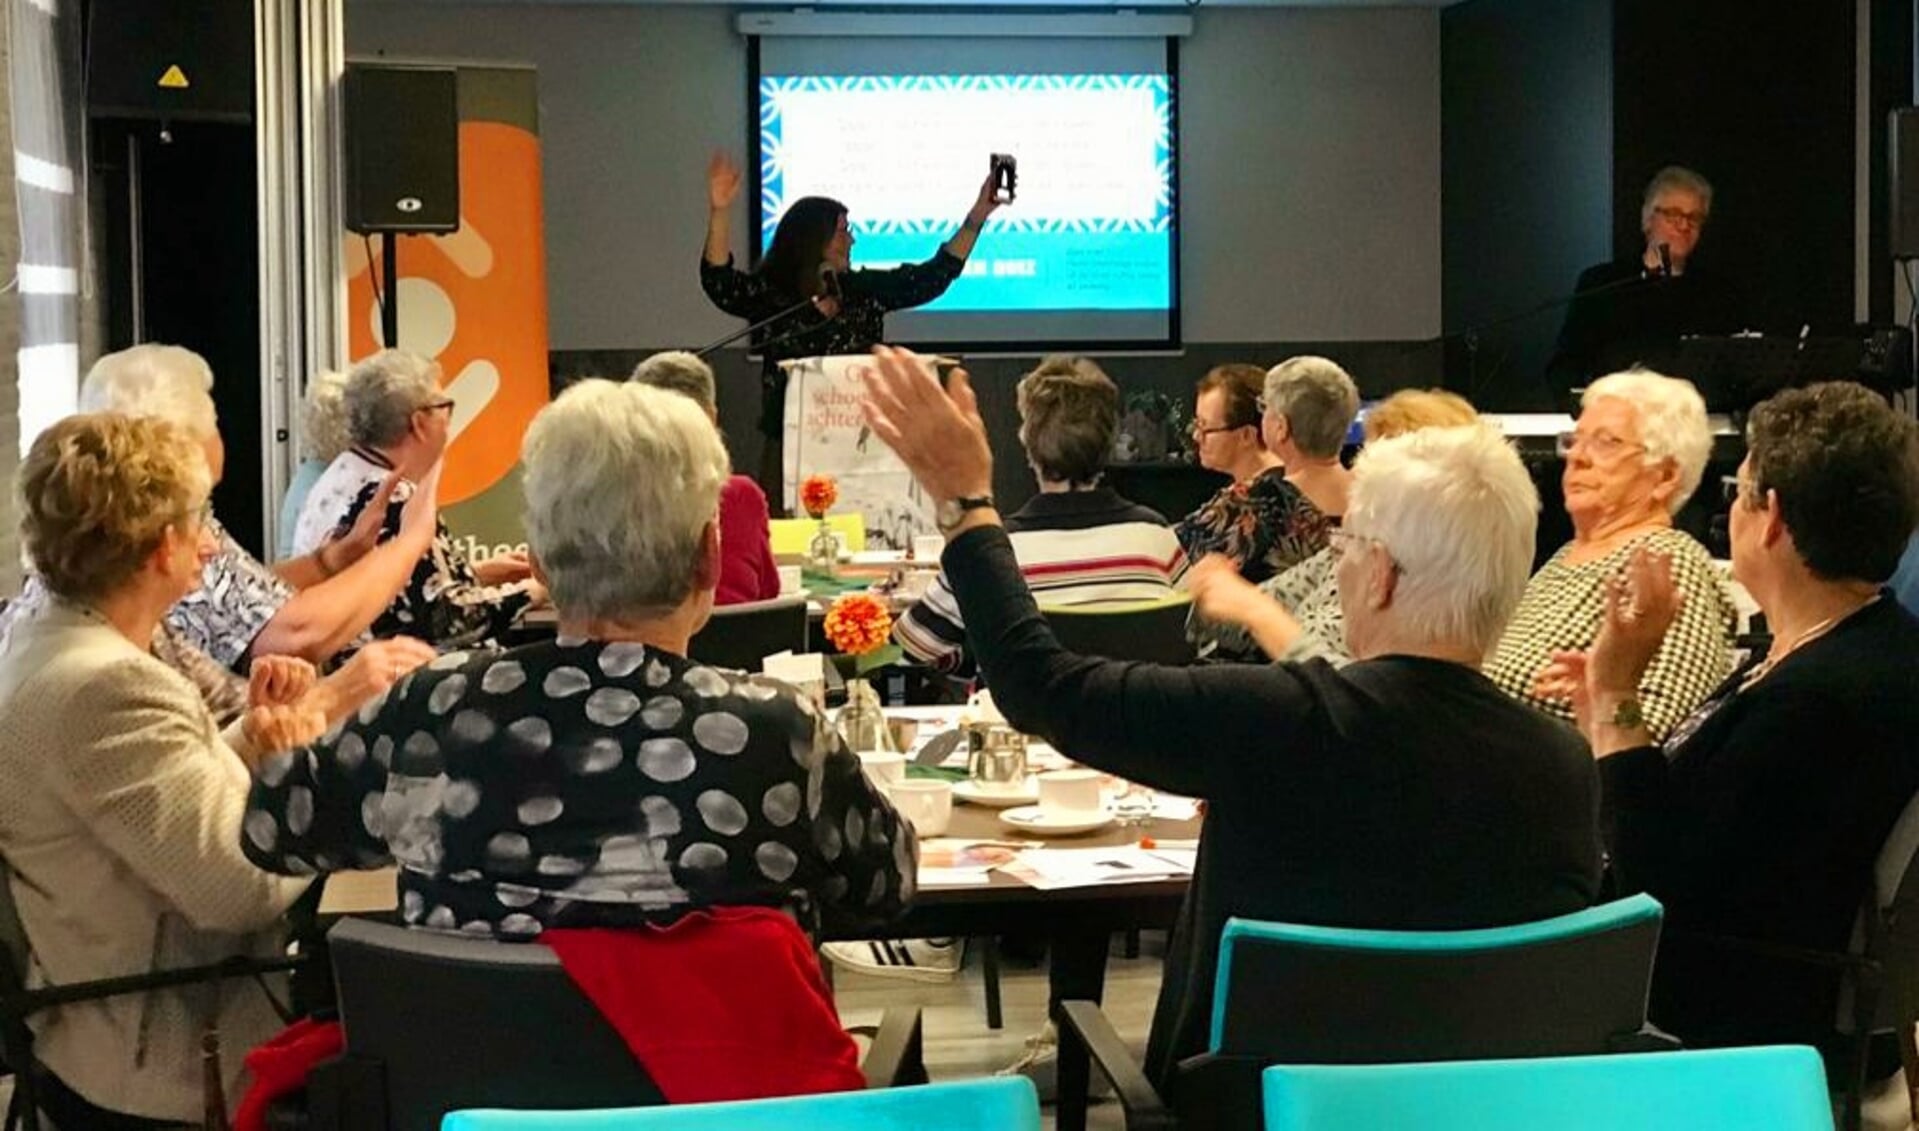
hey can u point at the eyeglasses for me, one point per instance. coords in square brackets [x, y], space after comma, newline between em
[1598, 445]
[202, 515]
[1681, 216]
[1201, 430]
[1343, 540]
[1733, 489]
[435, 406]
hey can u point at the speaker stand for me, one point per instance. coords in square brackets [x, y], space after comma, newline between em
[390, 276]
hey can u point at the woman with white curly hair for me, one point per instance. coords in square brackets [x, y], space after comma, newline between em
[1633, 459]
[323, 436]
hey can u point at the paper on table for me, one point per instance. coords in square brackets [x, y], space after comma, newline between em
[1173, 807]
[361, 893]
[1051, 868]
[953, 877]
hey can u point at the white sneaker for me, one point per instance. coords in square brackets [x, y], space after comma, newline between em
[913, 960]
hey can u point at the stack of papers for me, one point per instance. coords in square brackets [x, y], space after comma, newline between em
[1052, 868]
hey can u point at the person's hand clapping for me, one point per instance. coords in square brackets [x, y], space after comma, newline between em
[371, 672]
[722, 182]
[936, 432]
[271, 729]
[1220, 594]
[1641, 603]
[275, 681]
[360, 538]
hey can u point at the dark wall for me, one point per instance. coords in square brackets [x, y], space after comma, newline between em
[1759, 98]
[1526, 144]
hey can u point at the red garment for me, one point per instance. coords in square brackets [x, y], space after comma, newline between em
[280, 1067]
[747, 571]
[727, 1004]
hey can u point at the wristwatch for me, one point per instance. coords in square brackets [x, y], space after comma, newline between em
[1628, 715]
[951, 512]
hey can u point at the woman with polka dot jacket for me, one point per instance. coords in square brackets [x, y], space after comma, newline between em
[601, 778]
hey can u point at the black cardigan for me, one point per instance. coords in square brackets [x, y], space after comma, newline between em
[1763, 820]
[1395, 793]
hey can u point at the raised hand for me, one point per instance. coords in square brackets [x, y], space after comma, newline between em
[936, 432]
[722, 182]
[364, 534]
[503, 569]
[421, 518]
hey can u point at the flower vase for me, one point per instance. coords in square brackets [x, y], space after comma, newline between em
[862, 723]
[823, 552]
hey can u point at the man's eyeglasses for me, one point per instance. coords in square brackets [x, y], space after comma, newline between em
[1598, 445]
[1681, 216]
[1201, 429]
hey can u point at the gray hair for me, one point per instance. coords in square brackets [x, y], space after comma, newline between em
[323, 426]
[169, 383]
[680, 372]
[1675, 178]
[1318, 401]
[1458, 513]
[1672, 422]
[384, 391]
[620, 481]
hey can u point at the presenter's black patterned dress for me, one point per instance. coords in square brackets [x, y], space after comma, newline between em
[865, 298]
[584, 783]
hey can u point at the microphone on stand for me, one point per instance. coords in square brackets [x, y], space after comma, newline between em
[1665, 260]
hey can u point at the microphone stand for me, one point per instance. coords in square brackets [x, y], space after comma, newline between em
[1470, 335]
[754, 328]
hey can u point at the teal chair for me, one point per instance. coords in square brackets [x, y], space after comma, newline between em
[1781, 1088]
[1285, 993]
[1000, 1103]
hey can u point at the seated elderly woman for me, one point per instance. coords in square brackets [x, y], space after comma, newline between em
[123, 800]
[1633, 460]
[1327, 789]
[600, 778]
[1295, 614]
[400, 421]
[1077, 541]
[323, 436]
[1261, 521]
[747, 569]
[311, 606]
[1761, 815]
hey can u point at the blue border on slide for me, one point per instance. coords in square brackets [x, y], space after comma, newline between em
[1020, 264]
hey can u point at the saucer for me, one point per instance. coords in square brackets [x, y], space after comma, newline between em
[974, 792]
[1033, 819]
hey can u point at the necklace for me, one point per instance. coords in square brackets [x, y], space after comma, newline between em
[1773, 660]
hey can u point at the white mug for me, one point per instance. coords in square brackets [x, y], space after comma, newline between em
[883, 768]
[790, 580]
[926, 803]
[1070, 792]
[928, 548]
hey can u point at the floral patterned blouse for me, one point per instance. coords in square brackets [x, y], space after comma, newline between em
[866, 296]
[237, 596]
[585, 783]
[1265, 525]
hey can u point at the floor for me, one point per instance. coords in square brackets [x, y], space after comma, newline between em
[958, 1043]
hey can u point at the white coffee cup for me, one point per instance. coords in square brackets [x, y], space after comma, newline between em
[928, 548]
[883, 768]
[926, 803]
[1070, 792]
[790, 580]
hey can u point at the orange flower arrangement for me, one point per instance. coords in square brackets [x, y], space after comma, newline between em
[858, 624]
[818, 494]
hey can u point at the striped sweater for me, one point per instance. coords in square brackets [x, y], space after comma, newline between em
[1075, 548]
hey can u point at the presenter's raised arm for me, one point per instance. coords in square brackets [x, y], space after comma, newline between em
[961, 245]
[722, 189]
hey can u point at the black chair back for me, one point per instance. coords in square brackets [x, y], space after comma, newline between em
[435, 1023]
[740, 636]
[1150, 630]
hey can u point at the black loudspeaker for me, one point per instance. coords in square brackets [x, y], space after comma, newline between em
[175, 60]
[1902, 162]
[402, 148]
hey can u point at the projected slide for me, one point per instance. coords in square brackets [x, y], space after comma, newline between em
[1091, 230]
